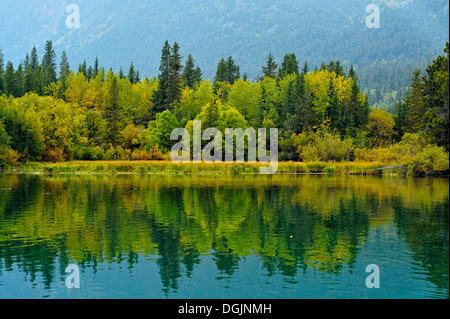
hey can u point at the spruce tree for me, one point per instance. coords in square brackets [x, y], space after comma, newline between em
[305, 68]
[221, 72]
[49, 63]
[189, 72]
[19, 78]
[160, 97]
[271, 68]
[175, 69]
[2, 65]
[232, 71]
[131, 74]
[198, 77]
[64, 71]
[9, 80]
[113, 112]
[288, 66]
[34, 60]
[96, 68]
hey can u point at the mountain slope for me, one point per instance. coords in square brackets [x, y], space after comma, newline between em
[118, 32]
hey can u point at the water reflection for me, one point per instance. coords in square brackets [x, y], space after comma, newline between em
[309, 231]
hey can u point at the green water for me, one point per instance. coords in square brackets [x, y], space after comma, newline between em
[282, 236]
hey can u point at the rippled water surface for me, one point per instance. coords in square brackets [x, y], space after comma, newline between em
[282, 236]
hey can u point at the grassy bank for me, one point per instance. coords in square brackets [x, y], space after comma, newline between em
[167, 167]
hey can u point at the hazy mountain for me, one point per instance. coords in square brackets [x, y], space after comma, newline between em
[118, 32]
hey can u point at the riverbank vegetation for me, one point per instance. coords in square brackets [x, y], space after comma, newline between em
[323, 117]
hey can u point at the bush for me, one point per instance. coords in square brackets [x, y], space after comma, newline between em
[413, 150]
[326, 146]
[8, 156]
[142, 155]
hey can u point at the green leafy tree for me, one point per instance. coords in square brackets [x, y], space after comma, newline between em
[113, 111]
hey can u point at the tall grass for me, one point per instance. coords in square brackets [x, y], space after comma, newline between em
[168, 167]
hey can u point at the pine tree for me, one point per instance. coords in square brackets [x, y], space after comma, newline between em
[304, 116]
[160, 97]
[221, 72]
[288, 66]
[28, 79]
[40, 80]
[121, 76]
[113, 112]
[64, 71]
[137, 78]
[49, 63]
[271, 68]
[175, 69]
[90, 73]
[9, 80]
[2, 65]
[232, 73]
[198, 77]
[34, 60]
[82, 68]
[131, 74]
[400, 118]
[189, 72]
[96, 68]
[305, 68]
[333, 110]
[19, 78]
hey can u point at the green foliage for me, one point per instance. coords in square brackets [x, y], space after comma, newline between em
[321, 115]
[324, 145]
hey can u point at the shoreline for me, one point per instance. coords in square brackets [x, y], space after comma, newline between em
[170, 168]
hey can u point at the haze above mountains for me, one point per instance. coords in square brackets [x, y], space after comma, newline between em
[411, 33]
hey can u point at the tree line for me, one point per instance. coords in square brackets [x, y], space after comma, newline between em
[93, 114]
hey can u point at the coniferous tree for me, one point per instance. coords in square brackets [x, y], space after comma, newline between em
[333, 110]
[82, 68]
[2, 65]
[189, 72]
[160, 97]
[90, 73]
[34, 60]
[131, 74]
[9, 79]
[96, 68]
[64, 71]
[221, 72]
[271, 68]
[49, 63]
[198, 77]
[28, 78]
[400, 118]
[175, 69]
[121, 76]
[305, 68]
[2, 62]
[113, 112]
[19, 78]
[40, 80]
[137, 78]
[232, 71]
[288, 66]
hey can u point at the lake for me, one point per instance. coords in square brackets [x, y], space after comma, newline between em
[249, 236]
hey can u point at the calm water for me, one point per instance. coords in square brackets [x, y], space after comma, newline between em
[223, 237]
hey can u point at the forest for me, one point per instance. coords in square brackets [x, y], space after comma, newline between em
[93, 113]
